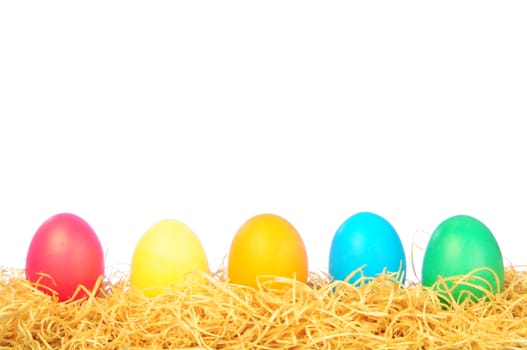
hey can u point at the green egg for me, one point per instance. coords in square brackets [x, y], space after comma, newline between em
[463, 246]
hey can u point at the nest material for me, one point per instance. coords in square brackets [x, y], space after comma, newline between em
[216, 314]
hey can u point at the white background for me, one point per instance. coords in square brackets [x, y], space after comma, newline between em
[126, 113]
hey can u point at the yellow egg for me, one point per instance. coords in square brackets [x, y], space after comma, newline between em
[165, 255]
[267, 244]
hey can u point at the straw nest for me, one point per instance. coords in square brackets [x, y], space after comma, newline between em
[381, 314]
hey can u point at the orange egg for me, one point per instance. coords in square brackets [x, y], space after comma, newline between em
[267, 245]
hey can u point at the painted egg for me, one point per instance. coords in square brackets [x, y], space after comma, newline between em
[65, 257]
[165, 256]
[265, 247]
[368, 242]
[460, 245]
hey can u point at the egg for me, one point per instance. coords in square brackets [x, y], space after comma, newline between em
[368, 241]
[265, 247]
[165, 256]
[65, 257]
[458, 246]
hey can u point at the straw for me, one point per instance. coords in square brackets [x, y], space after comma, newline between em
[216, 314]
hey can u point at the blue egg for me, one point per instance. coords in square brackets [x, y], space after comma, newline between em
[366, 239]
